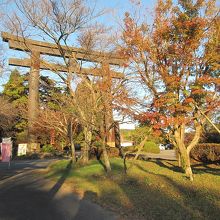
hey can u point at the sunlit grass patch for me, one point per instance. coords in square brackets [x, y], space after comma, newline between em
[149, 190]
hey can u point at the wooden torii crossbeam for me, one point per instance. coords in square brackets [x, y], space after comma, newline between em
[43, 48]
[62, 68]
[35, 63]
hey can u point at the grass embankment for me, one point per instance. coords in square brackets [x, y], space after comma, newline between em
[150, 190]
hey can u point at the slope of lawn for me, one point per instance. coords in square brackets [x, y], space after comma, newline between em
[150, 190]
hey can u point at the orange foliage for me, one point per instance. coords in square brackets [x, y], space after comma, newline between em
[175, 61]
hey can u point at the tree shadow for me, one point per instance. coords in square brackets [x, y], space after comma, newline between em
[141, 199]
[61, 180]
[193, 198]
[102, 164]
[132, 197]
[197, 168]
[206, 168]
[141, 202]
[162, 163]
[30, 196]
[23, 200]
[92, 211]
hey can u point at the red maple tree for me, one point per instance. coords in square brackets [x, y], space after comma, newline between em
[177, 59]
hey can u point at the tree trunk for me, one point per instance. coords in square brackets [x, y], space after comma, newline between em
[106, 159]
[184, 155]
[73, 152]
[85, 151]
[85, 154]
[118, 139]
[104, 137]
[33, 97]
[179, 159]
[140, 147]
[105, 155]
[186, 165]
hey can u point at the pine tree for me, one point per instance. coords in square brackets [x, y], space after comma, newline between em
[16, 90]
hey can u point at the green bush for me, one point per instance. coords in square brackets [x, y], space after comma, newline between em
[97, 144]
[139, 133]
[47, 148]
[151, 147]
[96, 152]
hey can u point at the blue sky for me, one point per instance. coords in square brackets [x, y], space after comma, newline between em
[116, 9]
[119, 7]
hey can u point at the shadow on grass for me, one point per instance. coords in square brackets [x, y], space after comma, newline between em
[191, 202]
[102, 164]
[162, 163]
[197, 168]
[143, 199]
[206, 168]
[148, 196]
[62, 179]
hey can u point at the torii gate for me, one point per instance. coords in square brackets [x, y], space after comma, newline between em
[35, 63]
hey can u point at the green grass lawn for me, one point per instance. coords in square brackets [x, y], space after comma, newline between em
[150, 190]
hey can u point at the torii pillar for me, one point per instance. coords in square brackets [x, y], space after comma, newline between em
[107, 80]
[33, 100]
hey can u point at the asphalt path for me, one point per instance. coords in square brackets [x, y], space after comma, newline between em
[164, 155]
[26, 194]
[22, 166]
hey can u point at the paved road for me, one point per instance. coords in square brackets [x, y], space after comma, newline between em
[164, 155]
[25, 194]
[22, 166]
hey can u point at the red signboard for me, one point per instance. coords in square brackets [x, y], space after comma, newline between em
[6, 151]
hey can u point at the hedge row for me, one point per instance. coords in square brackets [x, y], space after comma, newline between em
[96, 152]
[206, 152]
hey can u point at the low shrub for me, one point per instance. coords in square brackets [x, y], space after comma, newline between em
[113, 151]
[96, 152]
[47, 148]
[206, 152]
[151, 147]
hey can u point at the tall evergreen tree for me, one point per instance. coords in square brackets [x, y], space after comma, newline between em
[50, 93]
[16, 89]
